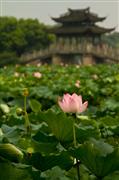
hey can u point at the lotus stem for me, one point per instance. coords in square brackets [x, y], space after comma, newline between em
[77, 161]
[27, 122]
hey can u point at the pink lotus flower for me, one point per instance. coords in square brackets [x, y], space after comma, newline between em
[16, 74]
[37, 74]
[72, 103]
[95, 76]
[77, 84]
[38, 65]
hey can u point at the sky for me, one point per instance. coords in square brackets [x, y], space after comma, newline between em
[43, 10]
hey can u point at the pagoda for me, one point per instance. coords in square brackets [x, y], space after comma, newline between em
[78, 40]
[79, 23]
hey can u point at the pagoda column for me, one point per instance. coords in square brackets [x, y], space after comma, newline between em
[88, 59]
[56, 59]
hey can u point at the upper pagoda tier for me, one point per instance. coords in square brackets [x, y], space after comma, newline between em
[78, 15]
[79, 22]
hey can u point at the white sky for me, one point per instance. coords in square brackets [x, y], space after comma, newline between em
[45, 9]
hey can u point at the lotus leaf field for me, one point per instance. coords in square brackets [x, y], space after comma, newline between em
[36, 136]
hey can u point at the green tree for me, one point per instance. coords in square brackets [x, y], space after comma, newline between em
[23, 35]
[36, 34]
[12, 38]
[18, 36]
[112, 39]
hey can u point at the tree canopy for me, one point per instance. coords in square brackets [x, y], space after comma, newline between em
[22, 35]
[112, 39]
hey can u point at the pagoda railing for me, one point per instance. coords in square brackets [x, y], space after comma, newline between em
[99, 50]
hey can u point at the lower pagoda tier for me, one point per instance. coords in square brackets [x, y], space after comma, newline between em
[92, 31]
[73, 51]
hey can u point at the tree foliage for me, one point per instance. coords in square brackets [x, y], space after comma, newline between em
[22, 35]
[112, 39]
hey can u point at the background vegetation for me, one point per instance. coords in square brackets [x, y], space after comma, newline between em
[18, 36]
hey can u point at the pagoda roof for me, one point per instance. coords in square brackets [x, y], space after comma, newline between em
[65, 30]
[78, 15]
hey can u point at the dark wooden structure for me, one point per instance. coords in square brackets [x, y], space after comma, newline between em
[79, 23]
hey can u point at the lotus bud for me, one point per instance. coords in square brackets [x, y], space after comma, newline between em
[25, 92]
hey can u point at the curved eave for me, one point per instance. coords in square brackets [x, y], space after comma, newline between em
[68, 19]
[98, 29]
[81, 30]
